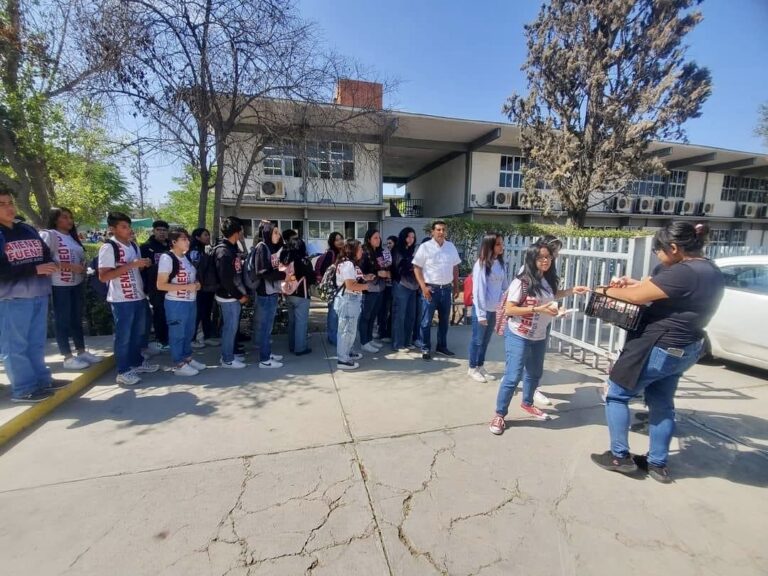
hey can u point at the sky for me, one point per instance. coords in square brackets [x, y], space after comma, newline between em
[460, 59]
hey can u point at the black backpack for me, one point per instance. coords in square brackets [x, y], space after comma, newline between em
[250, 278]
[102, 288]
[174, 266]
[206, 270]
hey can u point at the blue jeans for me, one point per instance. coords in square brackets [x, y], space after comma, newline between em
[371, 305]
[348, 308]
[658, 380]
[332, 323]
[182, 319]
[384, 319]
[230, 321]
[130, 327]
[267, 311]
[403, 315]
[68, 318]
[417, 321]
[298, 323]
[23, 324]
[524, 359]
[442, 298]
[481, 336]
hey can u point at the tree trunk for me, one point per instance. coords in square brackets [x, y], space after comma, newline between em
[219, 182]
[577, 217]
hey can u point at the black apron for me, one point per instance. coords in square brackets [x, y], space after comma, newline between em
[633, 357]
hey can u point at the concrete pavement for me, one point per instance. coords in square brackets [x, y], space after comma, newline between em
[388, 470]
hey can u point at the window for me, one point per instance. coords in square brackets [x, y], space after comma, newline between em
[511, 172]
[321, 229]
[297, 225]
[273, 162]
[730, 188]
[676, 182]
[749, 278]
[753, 190]
[738, 238]
[718, 236]
[363, 227]
[648, 185]
[291, 160]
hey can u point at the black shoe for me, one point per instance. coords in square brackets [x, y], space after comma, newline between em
[426, 356]
[658, 473]
[304, 352]
[33, 397]
[445, 352]
[57, 384]
[608, 461]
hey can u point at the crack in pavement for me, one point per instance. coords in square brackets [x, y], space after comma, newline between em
[514, 494]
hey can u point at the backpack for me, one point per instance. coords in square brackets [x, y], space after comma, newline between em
[174, 266]
[468, 298]
[250, 278]
[207, 274]
[327, 288]
[320, 267]
[501, 315]
[291, 286]
[99, 288]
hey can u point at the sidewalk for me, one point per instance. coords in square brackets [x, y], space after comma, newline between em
[388, 470]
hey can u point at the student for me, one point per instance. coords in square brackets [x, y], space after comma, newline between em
[231, 293]
[530, 307]
[152, 249]
[375, 271]
[67, 291]
[177, 277]
[25, 269]
[489, 279]
[268, 290]
[120, 263]
[405, 291]
[197, 254]
[295, 257]
[384, 319]
[348, 304]
[331, 256]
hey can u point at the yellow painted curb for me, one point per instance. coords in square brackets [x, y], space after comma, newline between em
[37, 411]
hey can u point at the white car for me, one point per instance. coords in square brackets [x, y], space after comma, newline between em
[737, 331]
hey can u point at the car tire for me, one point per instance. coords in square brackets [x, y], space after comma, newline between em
[706, 353]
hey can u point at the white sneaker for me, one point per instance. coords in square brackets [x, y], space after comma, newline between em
[386, 339]
[270, 364]
[197, 365]
[541, 399]
[240, 357]
[75, 364]
[146, 368]
[484, 372]
[341, 365]
[355, 356]
[476, 375]
[275, 357]
[158, 347]
[370, 348]
[377, 343]
[90, 358]
[212, 342]
[236, 364]
[128, 378]
[197, 345]
[148, 353]
[185, 370]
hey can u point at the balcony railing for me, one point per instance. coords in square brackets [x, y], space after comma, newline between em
[405, 208]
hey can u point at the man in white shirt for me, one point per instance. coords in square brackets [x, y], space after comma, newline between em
[436, 267]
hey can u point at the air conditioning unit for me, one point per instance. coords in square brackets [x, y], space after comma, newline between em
[707, 208]
[670, 206]
[689, 208]
[272, 191]
[623, 204]
[523, 201]
[747, 211]
[504, 199]
[646, 204]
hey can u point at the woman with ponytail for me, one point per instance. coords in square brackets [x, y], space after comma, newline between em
[682, 295]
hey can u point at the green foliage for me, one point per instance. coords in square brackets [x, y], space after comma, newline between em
[182, 203]
[762, 126]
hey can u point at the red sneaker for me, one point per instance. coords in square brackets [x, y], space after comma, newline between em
[497, 425]
[535, 412]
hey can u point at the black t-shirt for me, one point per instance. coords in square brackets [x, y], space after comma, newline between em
[695, 288]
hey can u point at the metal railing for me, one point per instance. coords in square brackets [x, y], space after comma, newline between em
[715, 251]
[405, 207]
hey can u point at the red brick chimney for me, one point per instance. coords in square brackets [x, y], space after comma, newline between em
[359, 94]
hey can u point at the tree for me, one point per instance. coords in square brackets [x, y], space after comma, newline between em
[51, 51]
[605, 79]
[181, 207]
[762, 127]
[208, 65]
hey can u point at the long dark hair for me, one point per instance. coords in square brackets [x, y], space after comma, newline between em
[332, 241]
[487, 248]
[294, 251]
[530, 273]
[53, 218]
[196, 244]
[689, 238]
[368, 247]
[401, 245]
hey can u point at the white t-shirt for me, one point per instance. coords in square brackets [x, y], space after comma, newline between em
[186, 275]
[437, 262]
[530, 326]
[127, 287]
[64, 249]
[348, 271]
